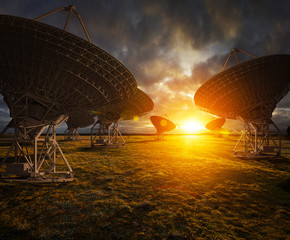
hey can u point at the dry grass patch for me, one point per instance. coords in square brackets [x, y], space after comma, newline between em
[187, 187]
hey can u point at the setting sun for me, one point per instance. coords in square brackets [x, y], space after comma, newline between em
[192, 126]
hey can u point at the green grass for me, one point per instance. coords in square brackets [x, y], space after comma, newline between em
[187, 187]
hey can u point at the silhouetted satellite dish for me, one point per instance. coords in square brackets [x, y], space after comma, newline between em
[105, 132]
[249, 92]
[76, 120]
[162, 124]
[215, 124]
[47, 73]
[138, 104]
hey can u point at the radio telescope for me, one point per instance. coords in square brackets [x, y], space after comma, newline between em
[162, 125]
[105, 131]
[80, 119]
[47, 73]
[215, 124]
[249, 92]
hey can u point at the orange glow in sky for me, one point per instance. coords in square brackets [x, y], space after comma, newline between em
[192, 126]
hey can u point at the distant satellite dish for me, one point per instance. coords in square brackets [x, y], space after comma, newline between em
[76, 120]
[80, 119]
[138, 104]
[105, 131]
[215, 124]
[162, 124]
[249, 92]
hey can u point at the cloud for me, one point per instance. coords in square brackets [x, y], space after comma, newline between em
[172, 47]
[4, 114]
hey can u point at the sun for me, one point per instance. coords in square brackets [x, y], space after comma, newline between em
[192, 126]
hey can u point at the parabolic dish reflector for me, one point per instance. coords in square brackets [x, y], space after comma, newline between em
[138, 104]
[80, 119]
[105, 131]
[215, 124]
[162, 124]
[56, 72]
[249, 90]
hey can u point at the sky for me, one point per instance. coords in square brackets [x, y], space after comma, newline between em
[172, 47]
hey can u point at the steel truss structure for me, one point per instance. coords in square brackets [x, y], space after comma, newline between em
[106, 134]
[249, 92]
[34, 153]
[71, 134]
[105, 131]
[160, 136]
[76, 120]
[259, 140]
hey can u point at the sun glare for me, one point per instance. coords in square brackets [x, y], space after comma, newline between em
[192, 126]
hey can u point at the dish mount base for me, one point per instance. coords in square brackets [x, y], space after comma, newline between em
[257, 140]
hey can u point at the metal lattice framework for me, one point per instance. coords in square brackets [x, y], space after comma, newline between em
[74, 73]
[137, 104]
[249, 91]
[47, 73]
[76, 120]
[105, 131]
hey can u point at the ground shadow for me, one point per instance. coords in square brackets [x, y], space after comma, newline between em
[143, 141]
[270, 159]
[97, 149]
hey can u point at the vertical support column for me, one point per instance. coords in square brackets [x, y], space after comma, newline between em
[35, 170]
[16, 135]
[256, 139]
[280, 146]
[268, 133]
[94, 133]
[36, 157]
[245, 137]
[109, 133]
[280, 138]
[54, 147]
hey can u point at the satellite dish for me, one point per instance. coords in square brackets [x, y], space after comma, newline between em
[80, 119]
[105, 131]
[248, 91]
[138, 104]
[162, 125]
[215, 124]
[76, 120]
[47, 73]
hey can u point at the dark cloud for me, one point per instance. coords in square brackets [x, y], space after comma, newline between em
[285, 102]
[4, 114]
[281, 117]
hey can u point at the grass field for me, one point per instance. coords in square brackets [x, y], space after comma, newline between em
[187, 187]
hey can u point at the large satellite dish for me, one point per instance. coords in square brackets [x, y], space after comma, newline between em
[105, 131]
[162, 125]
[76, 120]
[249, 91]
[47, 73]
[215, 124]
[138, 104]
